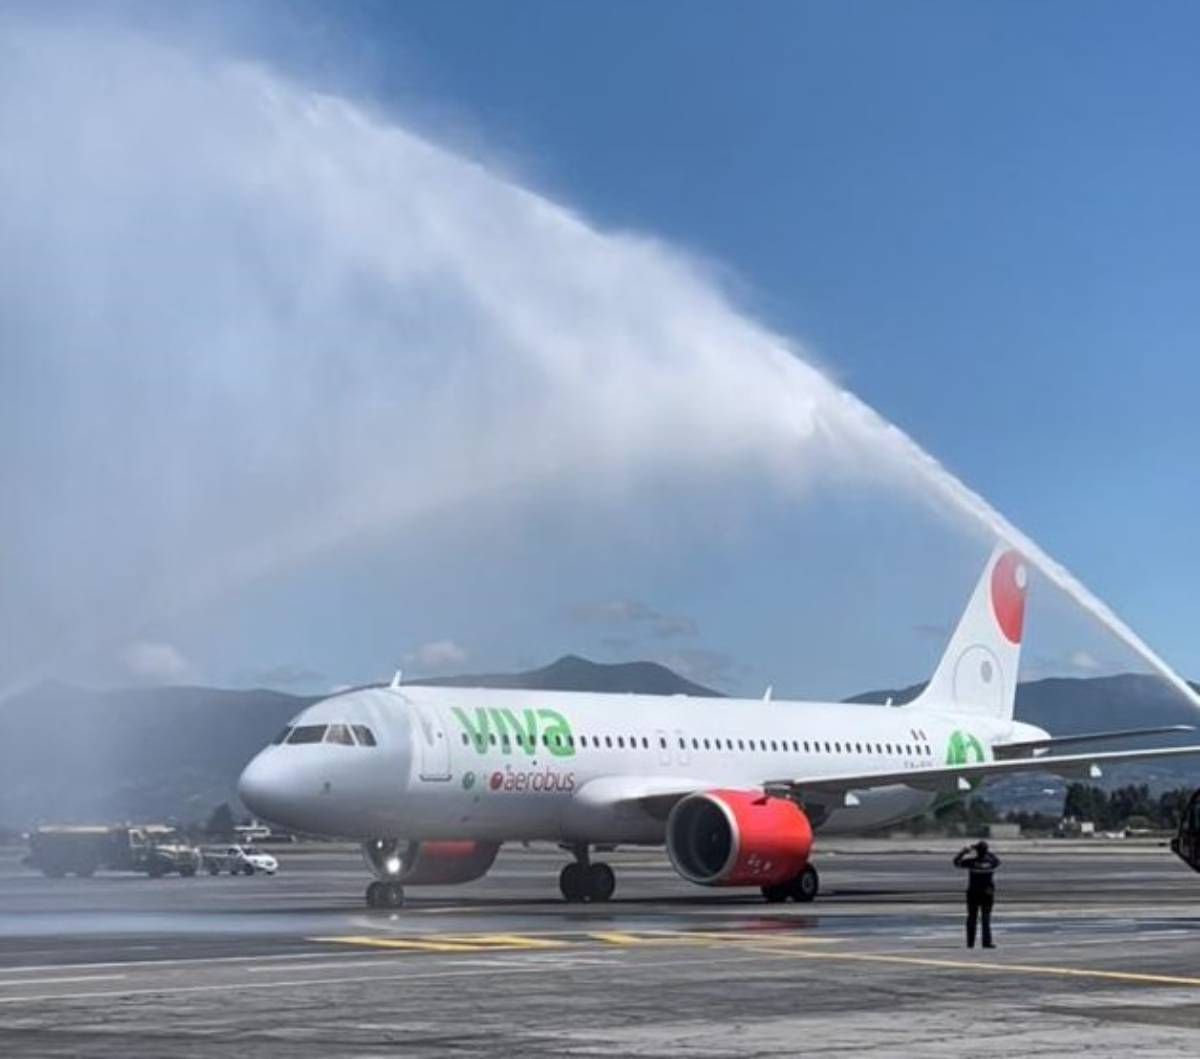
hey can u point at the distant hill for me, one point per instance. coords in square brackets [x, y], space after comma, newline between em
[139, 753]
[572, 673]
[1069, 705]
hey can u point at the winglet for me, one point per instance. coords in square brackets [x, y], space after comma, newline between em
[767, 693]
[395, 684]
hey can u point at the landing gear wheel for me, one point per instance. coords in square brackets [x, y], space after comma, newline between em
[385, 895]
[776, 894]
[601, 882]
[803, 888]
[573, 882]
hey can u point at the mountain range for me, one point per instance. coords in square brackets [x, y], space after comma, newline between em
[74, 754]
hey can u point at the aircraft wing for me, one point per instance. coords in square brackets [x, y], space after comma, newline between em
[962, 778]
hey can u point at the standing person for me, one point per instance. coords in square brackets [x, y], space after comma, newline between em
[981, 888]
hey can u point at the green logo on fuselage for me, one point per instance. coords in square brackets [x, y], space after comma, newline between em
[964, 749]
[508, 733]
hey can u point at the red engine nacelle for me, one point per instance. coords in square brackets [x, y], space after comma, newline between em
[430, 863]
[738, 838]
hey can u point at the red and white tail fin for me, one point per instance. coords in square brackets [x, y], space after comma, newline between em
[978, 672]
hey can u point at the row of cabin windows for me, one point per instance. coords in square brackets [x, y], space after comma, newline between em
[795, 745]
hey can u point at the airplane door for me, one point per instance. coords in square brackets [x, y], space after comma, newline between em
[683, 750]
[433, 747]
[664, 747]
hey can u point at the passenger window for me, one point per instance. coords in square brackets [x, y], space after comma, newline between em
[465, 740]
[695, 743]
[492, 738]
[662, 742]
[741, 744]
[682, 743]
[367, 738]
[339, 733]
[282, 736]
[621, 742]
[705, 744]
[806, 746]
[828, 749]
[773, 745]
[307, 733]
[608, 741]
[837, 748]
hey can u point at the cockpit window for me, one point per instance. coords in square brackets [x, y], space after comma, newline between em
[365, 735]
[307, 733]
[282, 736]
[339, 733]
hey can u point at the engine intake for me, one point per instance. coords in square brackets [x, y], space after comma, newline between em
[429, 863]
[738, 838]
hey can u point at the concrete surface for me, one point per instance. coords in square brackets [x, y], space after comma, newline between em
[1097, 952]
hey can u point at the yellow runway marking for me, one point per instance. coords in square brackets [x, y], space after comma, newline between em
[505, 941]
[970, 965]
[448, 942]
[491, 942]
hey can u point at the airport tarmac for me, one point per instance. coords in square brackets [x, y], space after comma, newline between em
[1097, 951]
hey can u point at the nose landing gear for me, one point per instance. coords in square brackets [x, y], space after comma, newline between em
[385, 895]
[582, 880]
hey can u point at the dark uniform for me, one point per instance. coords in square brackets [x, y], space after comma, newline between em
[981, 889]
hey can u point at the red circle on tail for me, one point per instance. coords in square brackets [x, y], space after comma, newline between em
[1008, 595]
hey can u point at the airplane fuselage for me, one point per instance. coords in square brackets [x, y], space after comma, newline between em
[528, 765]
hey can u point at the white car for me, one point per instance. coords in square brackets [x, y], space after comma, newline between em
[241, 860]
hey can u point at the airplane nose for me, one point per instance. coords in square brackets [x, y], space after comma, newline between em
[261, 787]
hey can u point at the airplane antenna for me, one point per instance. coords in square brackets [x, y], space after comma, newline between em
[767, 693]
[395, 685]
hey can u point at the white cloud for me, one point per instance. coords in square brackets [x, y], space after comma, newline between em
[437, 654]
[633, 613]
[1083, 660]
[158, 663]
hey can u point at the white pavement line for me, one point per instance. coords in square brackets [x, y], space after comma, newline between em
[171, 961]
[326, 983]
[57, 981]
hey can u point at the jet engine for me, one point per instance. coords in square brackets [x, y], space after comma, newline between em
[738, 838]
[429, 863]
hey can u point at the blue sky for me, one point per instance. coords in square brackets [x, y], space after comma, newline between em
[982, 219]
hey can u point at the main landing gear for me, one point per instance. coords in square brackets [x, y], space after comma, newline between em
[803, 888]
[582, 880]
[385, 895]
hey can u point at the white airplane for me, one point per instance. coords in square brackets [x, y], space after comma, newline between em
[433, 779]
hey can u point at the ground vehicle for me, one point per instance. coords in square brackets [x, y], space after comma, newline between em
[239, 860]
[156, 849]
[1186, 843]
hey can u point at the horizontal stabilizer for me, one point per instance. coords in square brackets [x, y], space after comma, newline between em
[1029, 747]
